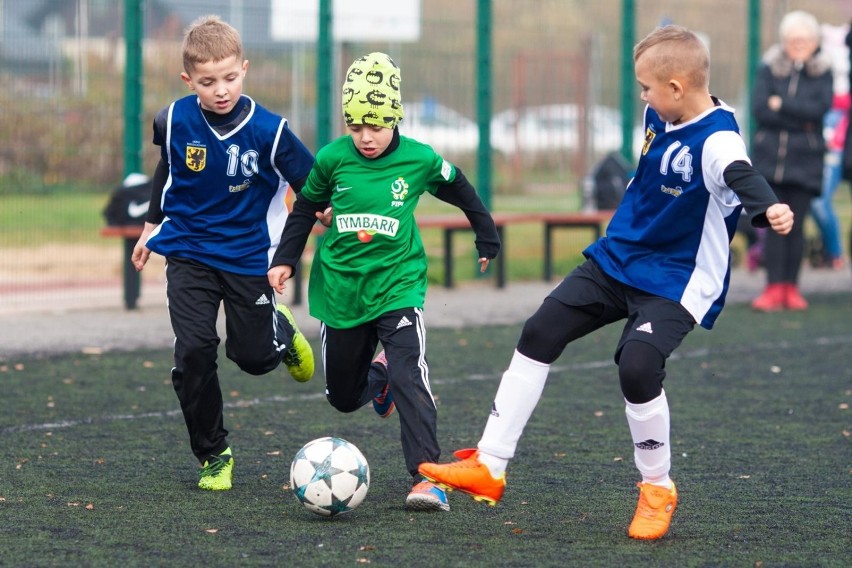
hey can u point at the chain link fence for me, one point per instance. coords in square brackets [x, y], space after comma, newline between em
[555, 100]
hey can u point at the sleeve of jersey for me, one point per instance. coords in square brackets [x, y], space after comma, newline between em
[159, 134]
[292, 157]
[158, 182]
[300, 221]
[729, 175]
[461, 194]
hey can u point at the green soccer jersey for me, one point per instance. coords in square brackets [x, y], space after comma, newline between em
[371, 259]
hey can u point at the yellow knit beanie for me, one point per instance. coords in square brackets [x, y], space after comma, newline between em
[371, 92]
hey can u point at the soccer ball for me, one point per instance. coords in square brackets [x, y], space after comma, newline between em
[329, 476]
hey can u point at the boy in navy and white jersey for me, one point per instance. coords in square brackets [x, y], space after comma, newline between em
[217, 212]
[663, 266]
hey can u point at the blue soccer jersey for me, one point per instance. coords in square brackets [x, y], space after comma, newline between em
[671, 234]
[223, 203]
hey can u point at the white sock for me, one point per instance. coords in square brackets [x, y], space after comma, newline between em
[517, 396]
[649, 427]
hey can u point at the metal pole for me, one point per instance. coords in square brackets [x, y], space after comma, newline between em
[753, 61]
[325, 69]
[628, 38]
[133, 21]
[483, 99]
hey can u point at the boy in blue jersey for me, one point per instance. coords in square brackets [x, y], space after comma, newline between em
[217, 211]
[664, 265]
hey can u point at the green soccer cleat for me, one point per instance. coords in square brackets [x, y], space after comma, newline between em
[299, 357]
[217, 472]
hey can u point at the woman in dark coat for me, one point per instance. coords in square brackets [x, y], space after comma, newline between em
[847, 147]
[792, 92]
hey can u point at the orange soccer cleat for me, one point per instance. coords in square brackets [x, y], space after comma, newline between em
[654, 511]
[468, 476]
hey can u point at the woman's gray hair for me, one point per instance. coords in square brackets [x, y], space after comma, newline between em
[799, 21]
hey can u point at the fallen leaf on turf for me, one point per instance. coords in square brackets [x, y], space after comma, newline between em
[744, 477]
[148, 364]
[362, 560]
[598, 413]
[843, 406]
[517, 531]
[92, 351]
[366, 548]
[90, 506]
[211, 531]
[274, 453]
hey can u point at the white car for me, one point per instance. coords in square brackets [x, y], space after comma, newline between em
[443, 128]
[555, 127]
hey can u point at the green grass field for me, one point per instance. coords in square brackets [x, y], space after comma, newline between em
[96, 469]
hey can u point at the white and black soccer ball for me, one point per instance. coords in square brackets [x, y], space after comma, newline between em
[329, 476]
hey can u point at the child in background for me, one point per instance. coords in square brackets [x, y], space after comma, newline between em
[368, 277]
[217, 211]
[664, 265]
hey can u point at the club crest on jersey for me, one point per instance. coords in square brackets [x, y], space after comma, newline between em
[649, 137]
[196, 157]
[399, 189]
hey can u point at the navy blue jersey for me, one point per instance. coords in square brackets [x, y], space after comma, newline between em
[671, 234]
[224, 199]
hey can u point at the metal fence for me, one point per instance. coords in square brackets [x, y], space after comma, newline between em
[555, 64]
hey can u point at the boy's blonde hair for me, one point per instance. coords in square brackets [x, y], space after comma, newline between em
[209, 38]
[676, 52]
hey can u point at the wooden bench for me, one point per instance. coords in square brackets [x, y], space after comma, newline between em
[449, 224]
[593, 220]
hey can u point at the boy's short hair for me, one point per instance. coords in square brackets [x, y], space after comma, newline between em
[679, 53]
[209, 38]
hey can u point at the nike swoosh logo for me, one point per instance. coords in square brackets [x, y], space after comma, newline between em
[137, 209]
[338, 188]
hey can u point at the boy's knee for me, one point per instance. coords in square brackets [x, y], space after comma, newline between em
[255, 367]
[641, 370]
[254, 361]
[346, 406]
[198, 353]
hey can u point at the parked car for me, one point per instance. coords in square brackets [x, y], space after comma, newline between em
[443, 128]
[555, 127]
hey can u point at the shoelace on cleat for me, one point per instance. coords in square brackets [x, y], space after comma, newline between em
[292, 358]
[214, 466]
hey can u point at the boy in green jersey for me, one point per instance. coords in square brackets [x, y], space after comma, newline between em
[368, 277]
